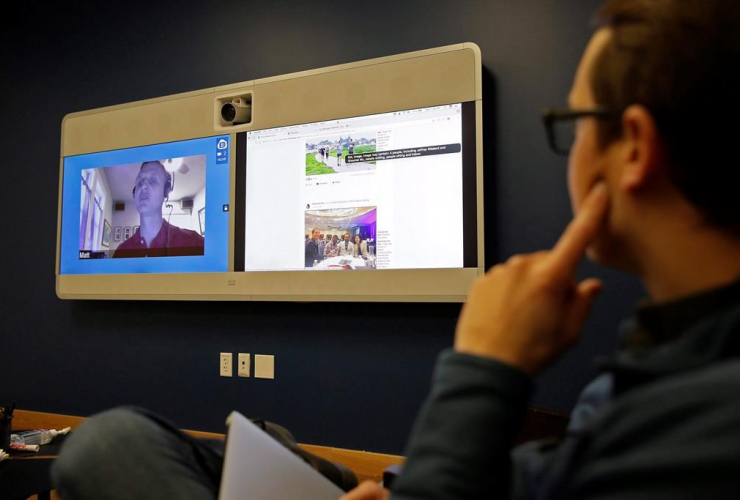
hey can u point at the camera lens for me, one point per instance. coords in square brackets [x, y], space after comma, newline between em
[228, 112]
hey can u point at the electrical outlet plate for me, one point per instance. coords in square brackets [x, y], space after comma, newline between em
[264, 366]
[244, 365]
[224, 365]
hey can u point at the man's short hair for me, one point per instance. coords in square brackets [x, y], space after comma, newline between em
[680, 59]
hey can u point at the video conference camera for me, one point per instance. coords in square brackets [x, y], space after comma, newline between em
[237, 111]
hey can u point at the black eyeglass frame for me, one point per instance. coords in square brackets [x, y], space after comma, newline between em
[550, 116]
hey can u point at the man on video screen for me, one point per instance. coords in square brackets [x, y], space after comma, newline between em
[156, 237]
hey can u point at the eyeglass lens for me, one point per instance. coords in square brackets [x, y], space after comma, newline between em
[564, 133]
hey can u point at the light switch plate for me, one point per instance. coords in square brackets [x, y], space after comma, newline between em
[264, 366]
[244, 366]
[224, 364]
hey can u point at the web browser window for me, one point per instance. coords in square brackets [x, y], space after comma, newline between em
[380, 191]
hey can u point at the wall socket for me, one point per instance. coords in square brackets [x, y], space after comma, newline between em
[244, 366]
[224, 365]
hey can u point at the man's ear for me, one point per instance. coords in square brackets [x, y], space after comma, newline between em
[642, 148]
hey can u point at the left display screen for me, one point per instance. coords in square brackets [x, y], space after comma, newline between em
[145, 209]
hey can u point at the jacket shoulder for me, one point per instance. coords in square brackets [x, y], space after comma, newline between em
[679, 432]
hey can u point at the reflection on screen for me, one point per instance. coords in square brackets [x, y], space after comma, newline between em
[373, 192]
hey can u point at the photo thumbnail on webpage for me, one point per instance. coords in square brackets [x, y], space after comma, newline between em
[341, 238]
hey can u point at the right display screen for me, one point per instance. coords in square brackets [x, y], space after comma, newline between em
[386, 191]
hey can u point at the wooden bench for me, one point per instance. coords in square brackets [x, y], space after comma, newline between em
[366, 465]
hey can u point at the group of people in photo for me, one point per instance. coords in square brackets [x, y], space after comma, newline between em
[325, 246]
[324, 151]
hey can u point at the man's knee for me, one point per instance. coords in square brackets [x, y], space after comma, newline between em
[99, 443]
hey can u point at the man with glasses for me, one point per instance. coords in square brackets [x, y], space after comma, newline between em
[652, 176]
[652, 179]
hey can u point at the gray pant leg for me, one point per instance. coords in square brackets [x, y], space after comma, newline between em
[131, 454]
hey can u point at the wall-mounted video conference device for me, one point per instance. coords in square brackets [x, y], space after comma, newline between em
[357, 182]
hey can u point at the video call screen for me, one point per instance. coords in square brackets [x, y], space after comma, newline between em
[145, 209]
[381, 191]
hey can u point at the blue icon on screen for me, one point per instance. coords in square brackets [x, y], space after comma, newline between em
[222, 153]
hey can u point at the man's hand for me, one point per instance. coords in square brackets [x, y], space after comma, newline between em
[369, 490]
[530, 310]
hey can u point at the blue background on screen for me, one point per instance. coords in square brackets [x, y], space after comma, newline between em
[217, 221]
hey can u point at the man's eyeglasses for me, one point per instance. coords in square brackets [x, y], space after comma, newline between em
[560, 124]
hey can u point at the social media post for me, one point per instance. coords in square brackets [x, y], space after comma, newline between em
[417, 185]
[327, 154]
[153, 208]
[341, 238]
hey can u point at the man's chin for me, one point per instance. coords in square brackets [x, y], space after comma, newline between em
[147, 210]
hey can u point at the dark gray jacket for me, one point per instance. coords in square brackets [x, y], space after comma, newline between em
[662, 421]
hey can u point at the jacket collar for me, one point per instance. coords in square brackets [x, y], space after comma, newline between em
[679, 335]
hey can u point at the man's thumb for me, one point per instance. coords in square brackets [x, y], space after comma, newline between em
[585, 295]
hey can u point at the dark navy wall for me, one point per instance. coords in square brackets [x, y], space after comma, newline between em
[348, 375]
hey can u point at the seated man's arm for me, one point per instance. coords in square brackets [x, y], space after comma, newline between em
[461, 441]
[518, 318]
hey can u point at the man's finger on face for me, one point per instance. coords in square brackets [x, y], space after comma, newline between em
[580, 233]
